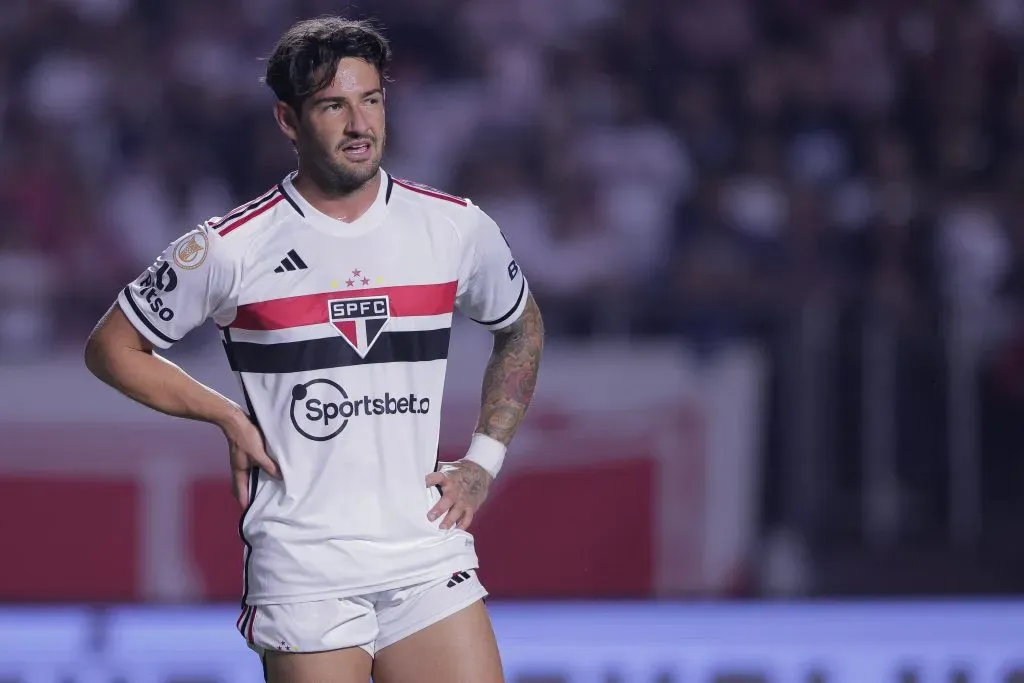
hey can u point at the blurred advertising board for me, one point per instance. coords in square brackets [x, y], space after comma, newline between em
[566, 643]
[635, 475]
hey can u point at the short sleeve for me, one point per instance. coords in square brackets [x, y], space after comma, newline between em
[492, 289]
[192, 280]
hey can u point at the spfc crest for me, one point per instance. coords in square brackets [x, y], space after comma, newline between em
[360, 320]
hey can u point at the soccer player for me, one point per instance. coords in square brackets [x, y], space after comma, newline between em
[334, 293]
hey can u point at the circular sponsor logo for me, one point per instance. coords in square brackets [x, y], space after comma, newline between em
[320, 409]
[190, 252]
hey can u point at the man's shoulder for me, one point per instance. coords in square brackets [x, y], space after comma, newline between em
[458, 213]
[247, 220]
[430, 198]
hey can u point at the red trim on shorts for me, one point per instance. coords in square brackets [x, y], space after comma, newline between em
[252, 620]
[241, 618]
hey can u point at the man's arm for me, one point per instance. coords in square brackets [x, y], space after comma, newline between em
[509, 382]
[511, 375]
[121, 357]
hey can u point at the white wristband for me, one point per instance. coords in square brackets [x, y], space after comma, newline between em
[487, 452]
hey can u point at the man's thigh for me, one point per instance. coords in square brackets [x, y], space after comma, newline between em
[439, 634]
[350, 665]
[327, 641]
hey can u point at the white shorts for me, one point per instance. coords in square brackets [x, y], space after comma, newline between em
[371, 621]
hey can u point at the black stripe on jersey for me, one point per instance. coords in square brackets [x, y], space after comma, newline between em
[335, 352]
[296, 259]
[254, 474]
[242, 211]
[254, 481]
[280, 188]
[519, 300]
[144, 319]
[391, 186]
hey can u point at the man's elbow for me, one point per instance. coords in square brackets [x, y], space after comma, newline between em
[97, 355]
[113, 334]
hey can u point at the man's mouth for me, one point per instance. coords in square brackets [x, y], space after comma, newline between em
[359, 148]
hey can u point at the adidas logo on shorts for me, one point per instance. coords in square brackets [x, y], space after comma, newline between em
[457, 578]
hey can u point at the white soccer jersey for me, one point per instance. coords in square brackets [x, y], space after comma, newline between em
[339, 334]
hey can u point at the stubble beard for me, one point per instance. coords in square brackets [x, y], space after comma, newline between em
[337, 179]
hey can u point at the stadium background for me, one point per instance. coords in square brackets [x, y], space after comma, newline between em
[779, 248]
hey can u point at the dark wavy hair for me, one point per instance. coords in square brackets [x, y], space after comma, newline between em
[306, 57]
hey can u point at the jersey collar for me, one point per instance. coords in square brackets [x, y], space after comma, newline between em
[370, 219]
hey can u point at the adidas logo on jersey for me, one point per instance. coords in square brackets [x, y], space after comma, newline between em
[458, 578]
[291, 262]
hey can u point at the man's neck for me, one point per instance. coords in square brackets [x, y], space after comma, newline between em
[346, 207]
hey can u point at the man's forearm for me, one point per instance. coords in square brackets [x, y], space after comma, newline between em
[511, 375]
[154, 381]
[160, 384]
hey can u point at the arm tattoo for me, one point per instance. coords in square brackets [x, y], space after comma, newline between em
[511, 375]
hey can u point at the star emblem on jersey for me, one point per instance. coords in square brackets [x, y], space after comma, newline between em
[357, 278]
[360, 320]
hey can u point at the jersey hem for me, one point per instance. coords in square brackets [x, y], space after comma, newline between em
[513, 315]
[138, 323]
[460, 563]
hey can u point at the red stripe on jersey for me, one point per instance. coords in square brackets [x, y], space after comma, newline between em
[248, 217]
[430, 192]
[311, 309]
[241, 209]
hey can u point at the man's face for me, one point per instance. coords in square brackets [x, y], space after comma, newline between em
[340, 135]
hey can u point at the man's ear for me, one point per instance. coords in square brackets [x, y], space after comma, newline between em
[287, 120]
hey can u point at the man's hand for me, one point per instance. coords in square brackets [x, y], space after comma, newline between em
[464, 486]
[121, 357]
[245, 445]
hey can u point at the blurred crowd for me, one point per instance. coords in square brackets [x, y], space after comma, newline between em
[694, 167]
[839, 180]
